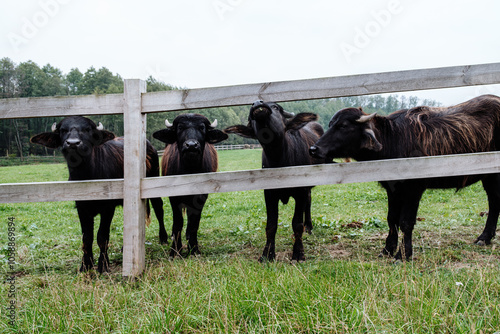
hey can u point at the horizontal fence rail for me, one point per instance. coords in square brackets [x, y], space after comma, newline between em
[280, 91]
[272, 178]
[289, 177]
[61, 191]
[28, 107]
[364, 84]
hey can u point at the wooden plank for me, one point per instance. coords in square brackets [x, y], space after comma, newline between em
[354, 85]
[61, 106]
[134, 208]
[364, 84]
[61, 191]
[380, 170]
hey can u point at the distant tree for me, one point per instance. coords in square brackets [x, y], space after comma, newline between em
[74, 81]
[154, 85]
[54, 83]
[7, 78]
[89, 81]
[31, 80]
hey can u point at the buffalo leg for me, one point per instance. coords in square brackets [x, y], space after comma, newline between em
[407, 222]
[491, 185]
[298, 226]
[194, 217]
[177, 224]
[87, 225]
[271, 198]
[103, 239]
[393, 214]
[307, 215]
[157, 204]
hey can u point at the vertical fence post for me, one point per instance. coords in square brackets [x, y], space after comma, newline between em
[134, 170]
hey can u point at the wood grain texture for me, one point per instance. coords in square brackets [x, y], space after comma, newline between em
[354, 85]
[61, 106]
[134, 207]
[380, 170]
[61, 191]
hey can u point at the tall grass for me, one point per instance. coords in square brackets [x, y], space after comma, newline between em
[451, 286]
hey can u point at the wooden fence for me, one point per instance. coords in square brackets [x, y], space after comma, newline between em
[135, 104]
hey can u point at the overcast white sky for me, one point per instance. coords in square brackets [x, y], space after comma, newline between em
[203, 43]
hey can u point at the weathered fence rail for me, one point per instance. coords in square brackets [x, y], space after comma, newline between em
[135, 104]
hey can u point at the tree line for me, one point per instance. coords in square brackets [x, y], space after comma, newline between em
[28, 79]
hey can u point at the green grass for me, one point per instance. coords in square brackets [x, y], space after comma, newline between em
[451, 286]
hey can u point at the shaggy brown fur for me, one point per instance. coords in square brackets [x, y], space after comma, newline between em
[465, 128]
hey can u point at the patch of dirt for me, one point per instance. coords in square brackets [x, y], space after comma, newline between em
[353, 224]
[338, 251]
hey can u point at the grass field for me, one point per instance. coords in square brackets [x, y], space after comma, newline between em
[451, 286]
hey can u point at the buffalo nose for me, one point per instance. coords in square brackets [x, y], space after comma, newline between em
[73, 142]
[313, 150]
[257, 103]
[191, 144]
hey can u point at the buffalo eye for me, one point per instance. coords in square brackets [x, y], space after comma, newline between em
[342, 125]
[201, 127]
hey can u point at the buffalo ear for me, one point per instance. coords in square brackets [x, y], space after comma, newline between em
[300, 121]
[370, 142]
[47, 139]
[102, 136]
[216, 136]
[168, 136]
[241, 130]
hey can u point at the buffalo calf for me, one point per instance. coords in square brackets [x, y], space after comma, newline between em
[285, 139]
[189, 149]
[93, 153]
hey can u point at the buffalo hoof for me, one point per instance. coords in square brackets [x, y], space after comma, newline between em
[175, 253]
[399, 257]
[385, 253]
[103, 268]
[481, 242]
[194, 251]
[298, 258]
[87, 264]
[164, 239]
[308, 228]
[103, 264]
[264, 259]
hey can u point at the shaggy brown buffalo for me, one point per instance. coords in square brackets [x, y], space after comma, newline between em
[473, 126]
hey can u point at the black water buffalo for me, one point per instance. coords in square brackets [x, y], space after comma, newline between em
[189, 150]
[93, 153]
[285, 139]
[473, 126]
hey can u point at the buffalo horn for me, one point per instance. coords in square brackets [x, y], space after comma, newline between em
[167, 124]
[366, 118]
[287, 114]
[214, 124]
[54, 127]
[100, 127]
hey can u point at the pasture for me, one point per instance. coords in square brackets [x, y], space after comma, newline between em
[451, 286]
